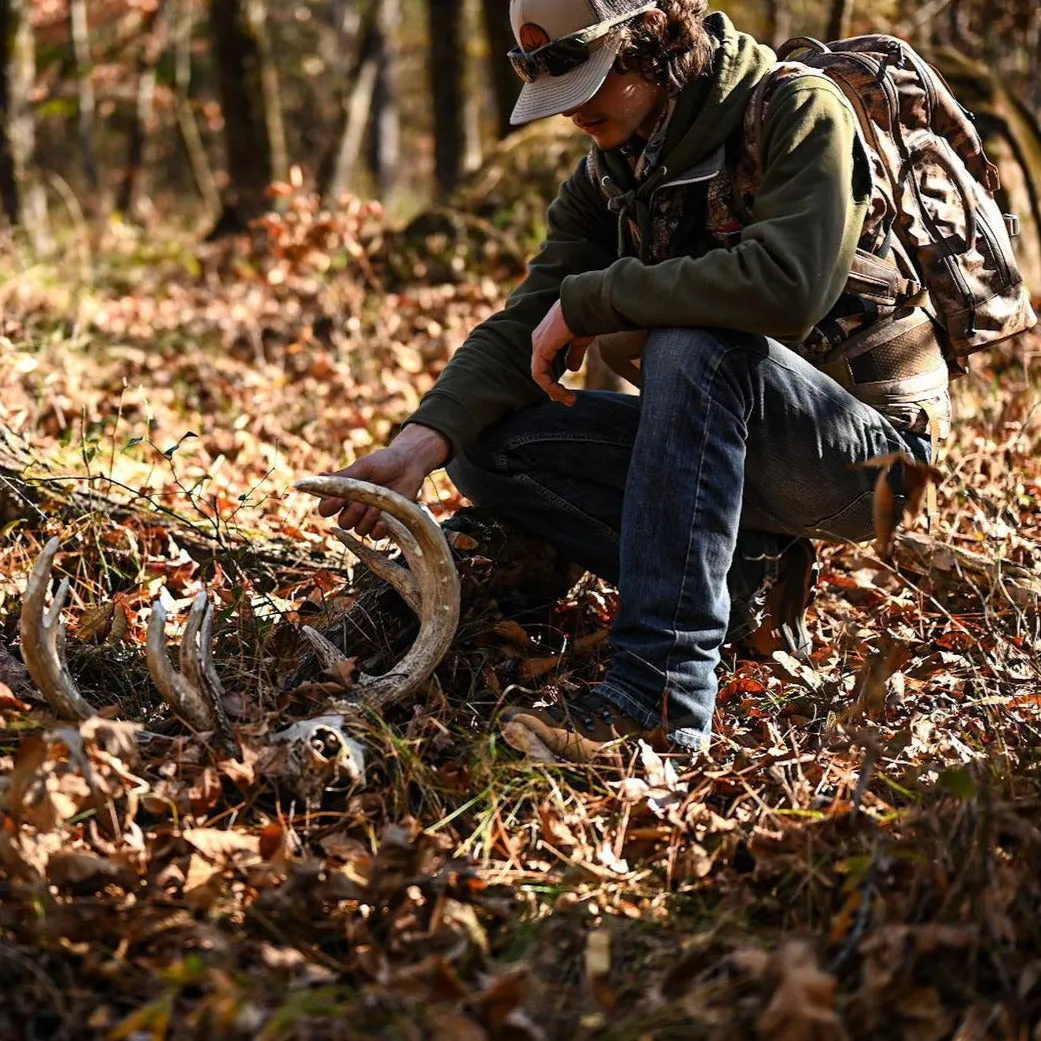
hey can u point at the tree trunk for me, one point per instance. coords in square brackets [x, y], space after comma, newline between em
[839, 20]
[506, 83]
[31, 208]
[9, 198]
[132, 186]
[357, 105]
[79, 30]
[200, 163]
[276, 130]
[446, 71]
[779, 22]
[386, 128]
[246, 139]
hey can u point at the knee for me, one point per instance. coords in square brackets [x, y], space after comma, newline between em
[697, 357]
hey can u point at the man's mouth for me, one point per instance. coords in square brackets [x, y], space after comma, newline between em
[589, 124]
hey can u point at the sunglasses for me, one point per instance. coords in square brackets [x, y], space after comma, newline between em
[566, 53]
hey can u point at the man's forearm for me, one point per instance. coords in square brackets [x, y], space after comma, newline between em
[427, 447]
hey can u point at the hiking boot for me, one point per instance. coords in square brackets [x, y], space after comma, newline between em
[784, 621]
[580, 731]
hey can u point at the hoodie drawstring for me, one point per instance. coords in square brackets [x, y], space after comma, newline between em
[624, 203]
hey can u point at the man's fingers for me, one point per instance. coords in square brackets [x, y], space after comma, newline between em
[542, 374]
[359, 518]
[327, 507]
[577, 352]
[542, 368]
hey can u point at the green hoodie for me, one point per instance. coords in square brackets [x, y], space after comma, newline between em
[781, 278]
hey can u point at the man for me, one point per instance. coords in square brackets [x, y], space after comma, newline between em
[697, 497]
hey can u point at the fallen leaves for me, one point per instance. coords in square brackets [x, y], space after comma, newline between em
[863, 833]
[889, 510]
[802, 1004]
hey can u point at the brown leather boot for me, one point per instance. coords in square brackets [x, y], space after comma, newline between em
[784, 623]
[582, 730]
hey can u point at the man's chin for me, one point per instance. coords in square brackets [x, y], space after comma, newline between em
[607, 138]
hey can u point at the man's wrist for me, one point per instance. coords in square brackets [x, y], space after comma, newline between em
[425, 445]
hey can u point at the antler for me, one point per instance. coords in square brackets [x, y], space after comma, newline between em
[43, 640]
[430, 586]
[195, 692]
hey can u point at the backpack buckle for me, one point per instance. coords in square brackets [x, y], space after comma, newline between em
[1011, 224]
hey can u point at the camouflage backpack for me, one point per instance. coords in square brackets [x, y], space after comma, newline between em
[933, 222]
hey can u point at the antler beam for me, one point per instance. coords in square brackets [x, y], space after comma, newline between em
[430, 587]
[195, 692]
[43, 640]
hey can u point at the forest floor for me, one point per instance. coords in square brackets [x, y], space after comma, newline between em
[858, 856]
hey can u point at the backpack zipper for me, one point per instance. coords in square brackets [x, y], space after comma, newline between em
[996, 253]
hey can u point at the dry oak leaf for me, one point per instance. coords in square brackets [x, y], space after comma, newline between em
[221, 846]
[888, 511]
[802, 1007]
[9, 702]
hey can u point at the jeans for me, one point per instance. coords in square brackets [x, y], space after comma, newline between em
[685, 497]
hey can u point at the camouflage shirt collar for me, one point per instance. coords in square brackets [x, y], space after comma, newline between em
[643, 160]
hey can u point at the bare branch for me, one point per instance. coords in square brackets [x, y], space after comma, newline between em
[43, 641]
[920, 553]
[433, 569]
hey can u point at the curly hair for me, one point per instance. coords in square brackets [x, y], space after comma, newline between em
[672, 55]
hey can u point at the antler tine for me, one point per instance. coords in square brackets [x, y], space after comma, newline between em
[433, 570]
[197, 649]
[395, 574]
[188, 695]
[43, 640]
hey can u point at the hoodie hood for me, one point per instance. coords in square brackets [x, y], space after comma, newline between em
[708, 110]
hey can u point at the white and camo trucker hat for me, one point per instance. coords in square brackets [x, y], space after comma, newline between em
[565, 50]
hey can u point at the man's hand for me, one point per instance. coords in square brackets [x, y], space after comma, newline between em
[402, 467]
[550, 337]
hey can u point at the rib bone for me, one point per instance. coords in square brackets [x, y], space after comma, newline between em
[195, 692]
[432, 570]
[43, 641]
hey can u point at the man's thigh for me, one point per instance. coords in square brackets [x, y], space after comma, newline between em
[808, 439]
[593, 439]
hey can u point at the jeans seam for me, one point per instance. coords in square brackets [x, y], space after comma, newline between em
[523, 440]
[568, 507]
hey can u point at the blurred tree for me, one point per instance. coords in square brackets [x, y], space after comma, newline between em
[506, 84]
[247, 140]
[447, 54]
[778, 22]
[357, 103]
[183, 17]
[256, 15]
[8, 182]
[24, 198]
[151, 43]
[839, 19]
[79, 31]
[386, 125]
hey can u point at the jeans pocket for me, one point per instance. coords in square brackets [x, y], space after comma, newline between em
[853, 523]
